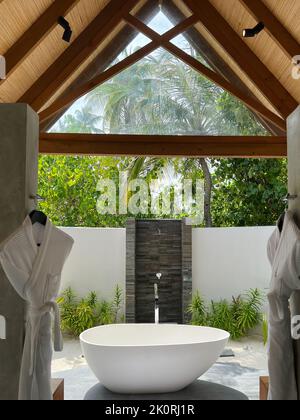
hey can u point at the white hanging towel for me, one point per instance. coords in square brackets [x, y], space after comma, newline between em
[284, 255]
[35, 272]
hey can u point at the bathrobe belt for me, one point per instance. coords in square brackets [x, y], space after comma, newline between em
[34, 318]
[279, 305]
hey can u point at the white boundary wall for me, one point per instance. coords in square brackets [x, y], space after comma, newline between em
[97, 261]
[226, 262]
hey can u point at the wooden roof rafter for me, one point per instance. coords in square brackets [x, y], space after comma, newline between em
[36, 33]
[126, 35]
[246, 59]
[83, 46]
[198, 66]
[233, 61]
[275, 28]
[117, 68]
[215, 61]
[104, 58]
[160, 41]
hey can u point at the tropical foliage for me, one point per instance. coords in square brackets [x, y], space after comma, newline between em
[79, 315]
[248, 192]
[69, 186]
[237, 317]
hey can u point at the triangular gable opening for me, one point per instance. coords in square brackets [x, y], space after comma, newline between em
[159, 95]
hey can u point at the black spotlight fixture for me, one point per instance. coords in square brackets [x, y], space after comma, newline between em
[251, 33]
[66, 26]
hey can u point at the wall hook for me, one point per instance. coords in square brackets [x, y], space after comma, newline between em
[36, 197]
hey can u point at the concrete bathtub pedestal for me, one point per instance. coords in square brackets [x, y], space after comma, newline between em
[198, 391]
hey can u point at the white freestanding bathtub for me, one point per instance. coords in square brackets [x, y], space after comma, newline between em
[149, 358]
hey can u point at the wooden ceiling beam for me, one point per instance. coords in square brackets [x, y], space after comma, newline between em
[274, 27]
[167, 146]
[239, 51]
[205, 71]
[35, 34]
[81, 48]
[215, 61]
[117, 68]
[105, 58]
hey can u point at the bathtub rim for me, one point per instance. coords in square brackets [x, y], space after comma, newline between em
[226, 337]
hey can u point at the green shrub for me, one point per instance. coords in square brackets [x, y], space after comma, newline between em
[198, 310]
[237, 317]
[78, 315]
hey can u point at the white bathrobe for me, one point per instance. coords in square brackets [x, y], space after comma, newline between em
[284, 255]
[35, 271]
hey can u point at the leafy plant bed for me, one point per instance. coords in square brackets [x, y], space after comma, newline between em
[237, 317]
[78, 315]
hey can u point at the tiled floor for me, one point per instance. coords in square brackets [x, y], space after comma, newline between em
[240, 372]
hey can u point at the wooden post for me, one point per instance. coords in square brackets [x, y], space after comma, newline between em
[263, 388]
[19, 134]
[58, 389]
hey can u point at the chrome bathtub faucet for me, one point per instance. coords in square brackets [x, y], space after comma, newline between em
[156, 297]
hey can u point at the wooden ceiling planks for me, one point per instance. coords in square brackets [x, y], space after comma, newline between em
[77, 53]
[17, 16]
[36, 33]
[43, 56]
[264, 46]
[274, 27]
[28, 11]
[260, 75]
[288, 13]
[103, 59]
[215, 61]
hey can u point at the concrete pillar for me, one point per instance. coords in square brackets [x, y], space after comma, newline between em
[130, 271]
[187, 274]
[294, 206]
[19, 134]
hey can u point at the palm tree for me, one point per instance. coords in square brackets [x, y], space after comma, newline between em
[82, 121]
[161, 95]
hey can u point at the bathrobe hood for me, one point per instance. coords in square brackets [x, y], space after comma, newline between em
[35, 273]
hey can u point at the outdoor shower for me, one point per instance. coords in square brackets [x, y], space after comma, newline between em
[159, 260]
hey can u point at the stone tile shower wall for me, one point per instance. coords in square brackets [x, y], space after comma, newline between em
[158, 246]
